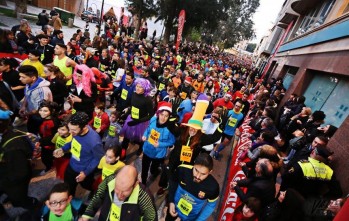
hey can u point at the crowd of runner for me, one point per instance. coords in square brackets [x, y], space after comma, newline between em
[84, 102]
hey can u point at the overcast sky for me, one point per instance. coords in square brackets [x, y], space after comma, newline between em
[265, 17]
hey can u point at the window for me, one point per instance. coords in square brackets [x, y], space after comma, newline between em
[329, 94]
[315, 17]
[289, 76]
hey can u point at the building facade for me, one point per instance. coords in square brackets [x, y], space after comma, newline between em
[311, 54]
[74, 6]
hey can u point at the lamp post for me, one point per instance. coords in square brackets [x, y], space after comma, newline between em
[86, 5]
[100, 18]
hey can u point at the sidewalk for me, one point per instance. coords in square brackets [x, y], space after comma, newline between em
[68, 32]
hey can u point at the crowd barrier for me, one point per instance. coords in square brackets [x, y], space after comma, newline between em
[230, 201]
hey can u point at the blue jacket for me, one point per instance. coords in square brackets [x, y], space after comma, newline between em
[118, 92]
[166, 139]
[87, 153]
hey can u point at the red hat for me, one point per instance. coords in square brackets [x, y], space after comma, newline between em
[163, 105]
[228, 94]
[188, 80]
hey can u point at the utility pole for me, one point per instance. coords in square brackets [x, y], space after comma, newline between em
[100, 18]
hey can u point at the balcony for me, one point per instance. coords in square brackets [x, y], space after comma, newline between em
[302, 6]
[288, 18]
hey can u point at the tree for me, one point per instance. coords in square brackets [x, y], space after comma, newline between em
[228, 21]
[21, 6]
[199, 13]
[238, 24]
[143, 9]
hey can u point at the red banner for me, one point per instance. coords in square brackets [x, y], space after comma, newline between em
[19, 57]
[181, 21]
[230, 199]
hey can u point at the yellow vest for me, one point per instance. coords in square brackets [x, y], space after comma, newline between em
[314, 169]
[67, 71]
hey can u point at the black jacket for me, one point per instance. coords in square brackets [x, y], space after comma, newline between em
[15, 167]
[260, 187]
[43, 19]
[47, 51]
[87, 104]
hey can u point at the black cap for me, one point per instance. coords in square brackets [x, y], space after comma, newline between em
[323, 152]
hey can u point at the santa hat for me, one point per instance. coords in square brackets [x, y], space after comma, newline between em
[188, 80]
[228, 94]
[163, 105]
[199, 112]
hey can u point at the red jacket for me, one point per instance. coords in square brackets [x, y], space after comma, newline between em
[217, 87]
[47, 130]
[221, 102]
[104, 123]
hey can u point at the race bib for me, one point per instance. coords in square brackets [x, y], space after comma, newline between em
[124, 94]
[134, 112]
[111, 131]
[154, 137]
[60, 142]
[161, 86]
[186, 154]
[75, 149]
[106, 172]
[97, 122]
[232, 122]
[183, 95]
[114, 212]
[184, 206]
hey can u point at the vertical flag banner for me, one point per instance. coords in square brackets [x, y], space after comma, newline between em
[181, 20]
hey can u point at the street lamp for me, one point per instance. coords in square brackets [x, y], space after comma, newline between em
[100, 19]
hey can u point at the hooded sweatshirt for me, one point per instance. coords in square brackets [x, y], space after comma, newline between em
[37, 92]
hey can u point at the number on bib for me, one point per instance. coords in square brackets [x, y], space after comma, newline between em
[97, 122]
[134, 112]
[154, 137]
[161, 86]
[186, 154]
[75, 149]
[111, 131]
[114, 213]
[124, 94]
[232, 122]
[184, 206]
[60, 142]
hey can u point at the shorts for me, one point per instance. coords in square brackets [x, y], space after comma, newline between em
[229, 137]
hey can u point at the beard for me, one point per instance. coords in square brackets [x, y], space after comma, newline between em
[196, 180]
